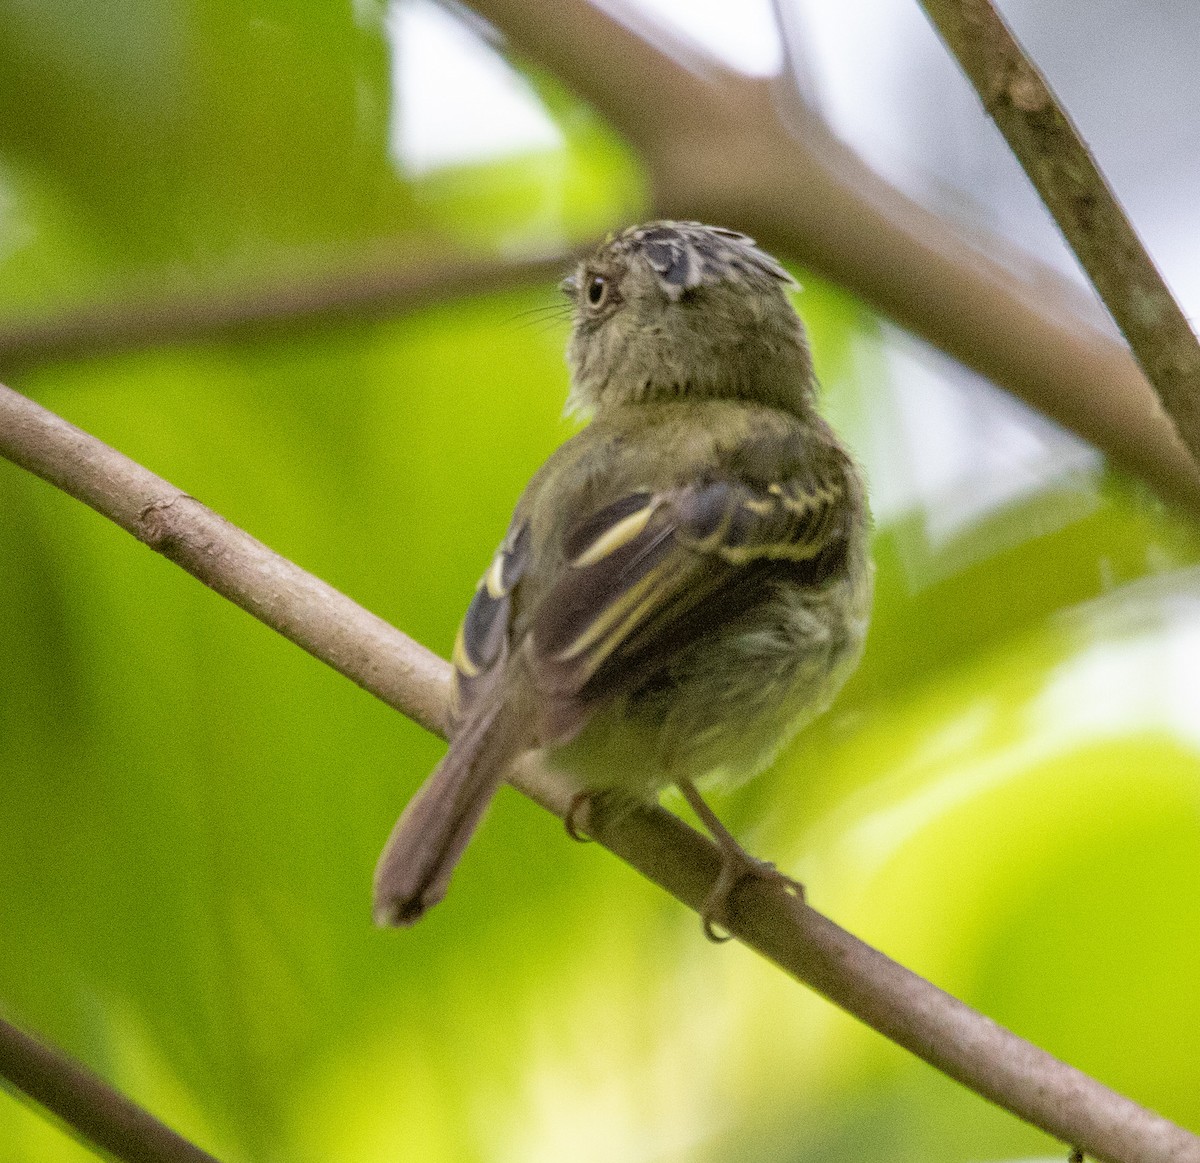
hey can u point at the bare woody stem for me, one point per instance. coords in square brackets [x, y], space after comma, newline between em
[88, 1105]
[912, 1012]
[1058, 163]
[376, 284]
[747, 152]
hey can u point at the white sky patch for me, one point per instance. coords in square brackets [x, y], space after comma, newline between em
[1183, 265]
[857, 51]
[959, 448]
[455, 100]
[743, 34]
[1141, 675]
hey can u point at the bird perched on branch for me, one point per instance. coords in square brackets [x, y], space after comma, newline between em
[684, 584]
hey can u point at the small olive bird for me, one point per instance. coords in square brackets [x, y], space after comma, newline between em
[684, 584]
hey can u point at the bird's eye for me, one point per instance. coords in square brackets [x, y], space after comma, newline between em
[597, 290]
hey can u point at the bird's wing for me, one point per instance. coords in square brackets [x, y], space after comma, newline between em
[648, 574]
[483, 643]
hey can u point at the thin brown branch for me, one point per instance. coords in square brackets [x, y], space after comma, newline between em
[90, 1107]
[301, 607]
[1058, 163]
[381, 284]
[725, 148]
[949, 1035]
[732, 149]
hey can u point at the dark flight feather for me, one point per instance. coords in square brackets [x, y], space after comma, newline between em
[651, 572]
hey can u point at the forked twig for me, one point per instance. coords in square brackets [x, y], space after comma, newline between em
[1058, 163]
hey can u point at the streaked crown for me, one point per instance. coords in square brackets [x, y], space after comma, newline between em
[673, 310]
[685, 255]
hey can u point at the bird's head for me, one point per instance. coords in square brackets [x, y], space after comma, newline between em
[675, 310]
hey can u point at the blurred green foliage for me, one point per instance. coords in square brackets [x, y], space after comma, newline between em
[1006, 798]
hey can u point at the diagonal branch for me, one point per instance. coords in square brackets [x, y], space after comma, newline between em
[736, 150]
[746, 152]
[88, 1105]
[904, 1007]
[1058, 163]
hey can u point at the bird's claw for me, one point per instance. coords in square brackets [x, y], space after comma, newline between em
[579, 801]
[736, 867]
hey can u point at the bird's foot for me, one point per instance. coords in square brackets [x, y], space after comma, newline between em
[581, 804]
[736, 866]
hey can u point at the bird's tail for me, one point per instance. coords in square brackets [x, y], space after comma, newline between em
[425, 845]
